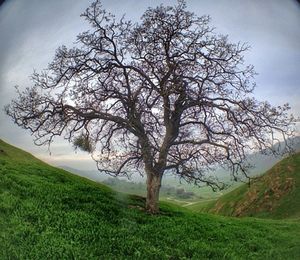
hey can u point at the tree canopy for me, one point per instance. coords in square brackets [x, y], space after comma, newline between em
[167, 94]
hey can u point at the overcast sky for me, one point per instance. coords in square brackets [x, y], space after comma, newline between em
[31, 30]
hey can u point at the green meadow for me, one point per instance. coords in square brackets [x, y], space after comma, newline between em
[48, 213]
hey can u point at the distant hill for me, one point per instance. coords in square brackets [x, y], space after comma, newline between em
[260, 162]
[173, 193]
[48, 213]
[171, 184]
[171, 190]
[276, 194]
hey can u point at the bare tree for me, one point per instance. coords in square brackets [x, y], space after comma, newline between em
[165, 95]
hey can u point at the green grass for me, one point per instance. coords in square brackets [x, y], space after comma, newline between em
[47, 213]
[276, 194]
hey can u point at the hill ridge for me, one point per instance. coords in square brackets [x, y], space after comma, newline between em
[275, 194]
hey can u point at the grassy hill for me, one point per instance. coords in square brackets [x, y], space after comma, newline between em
[48, 213]
[276, 194]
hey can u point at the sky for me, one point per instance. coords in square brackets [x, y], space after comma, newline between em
[31, 31]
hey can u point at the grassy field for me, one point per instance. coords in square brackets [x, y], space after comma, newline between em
[276, 195]
[47, 213]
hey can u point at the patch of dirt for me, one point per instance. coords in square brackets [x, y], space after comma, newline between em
[290, 168]
[217, 208]
[251, 198]
[258, 200]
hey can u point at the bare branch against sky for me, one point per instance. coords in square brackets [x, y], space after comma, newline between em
[31, 30]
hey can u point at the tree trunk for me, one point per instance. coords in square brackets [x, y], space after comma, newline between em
[153, 187]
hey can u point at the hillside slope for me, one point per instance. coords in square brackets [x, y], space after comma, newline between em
[47, 213]
[276, 194]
